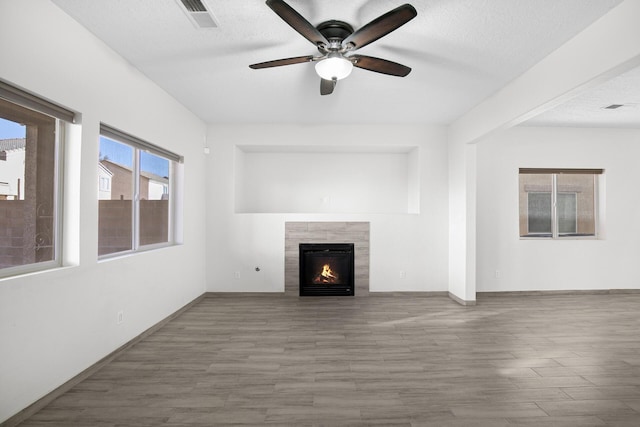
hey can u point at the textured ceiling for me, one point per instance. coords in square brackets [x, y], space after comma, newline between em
[461, 52]
[589, 108]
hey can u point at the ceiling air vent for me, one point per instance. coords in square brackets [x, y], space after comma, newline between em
[613, 106]
[198, 14]
[194, 5]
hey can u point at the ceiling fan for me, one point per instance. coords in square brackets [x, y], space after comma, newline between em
[336, 40]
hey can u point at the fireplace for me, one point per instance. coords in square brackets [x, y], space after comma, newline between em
[326, 269]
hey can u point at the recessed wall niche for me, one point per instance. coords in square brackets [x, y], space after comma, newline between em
[310, 179]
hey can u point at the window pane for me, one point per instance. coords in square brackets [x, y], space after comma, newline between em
[582, 210]
[115, 193]
[535, 204]
[154, 199]
[539, 213]
[28, 208]
[567, 215]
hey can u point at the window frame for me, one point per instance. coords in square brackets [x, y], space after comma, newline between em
[139, 145]
[555, 234]
[63, 117]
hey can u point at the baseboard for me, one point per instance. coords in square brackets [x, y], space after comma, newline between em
[412, 294]
[50, 397]
[242, 294]
[557, 292]
[460, 300]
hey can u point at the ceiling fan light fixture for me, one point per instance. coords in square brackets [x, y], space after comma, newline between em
[334, 39]
[335, 67]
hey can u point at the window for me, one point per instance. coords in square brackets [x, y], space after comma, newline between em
[135, 188]
[105, 184]
[558, 203]
[31, 135]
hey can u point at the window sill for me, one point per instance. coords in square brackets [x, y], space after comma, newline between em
[565, 237]
[144, 249]
[21, 273]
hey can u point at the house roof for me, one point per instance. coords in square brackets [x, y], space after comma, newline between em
[148, 175]
[105, 169]
[13, 144]
[154, 177]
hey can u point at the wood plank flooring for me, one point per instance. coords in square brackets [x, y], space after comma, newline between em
[561, 360]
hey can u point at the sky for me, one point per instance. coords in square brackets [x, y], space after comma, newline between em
[122, 154]
[10, 130]
[115, 151]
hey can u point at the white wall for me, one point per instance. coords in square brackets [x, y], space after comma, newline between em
[322, 181]
[462, 220]
[608, 263]
[414, 243]
[55, 324]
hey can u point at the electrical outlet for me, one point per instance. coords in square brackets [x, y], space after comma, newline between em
[120, 317]
[497, 274]
[403, 274]
[236, 274]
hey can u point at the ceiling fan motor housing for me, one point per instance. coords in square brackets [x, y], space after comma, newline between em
[335, 31]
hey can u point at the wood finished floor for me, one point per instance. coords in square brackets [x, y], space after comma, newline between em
[379, 360]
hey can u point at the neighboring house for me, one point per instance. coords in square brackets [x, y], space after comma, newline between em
[6, 193]
[152, 187]
[121, 187]
[104, 182]
[12, 158]
[158, 186]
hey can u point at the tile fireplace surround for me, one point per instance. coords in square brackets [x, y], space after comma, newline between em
[326, 232]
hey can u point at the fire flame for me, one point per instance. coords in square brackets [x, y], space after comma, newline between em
[326, 276]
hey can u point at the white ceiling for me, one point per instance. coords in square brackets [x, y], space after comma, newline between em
[589, 108]
[461, 52]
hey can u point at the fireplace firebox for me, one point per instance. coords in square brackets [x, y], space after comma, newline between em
[326, 269]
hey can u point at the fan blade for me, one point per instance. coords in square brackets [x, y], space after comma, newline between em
[380, 65]
[280, 62]
[297, 22]
[381, 26]
[326, 86]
